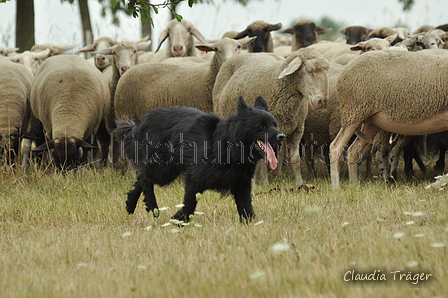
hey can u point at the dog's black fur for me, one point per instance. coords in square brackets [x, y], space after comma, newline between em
[212, 153]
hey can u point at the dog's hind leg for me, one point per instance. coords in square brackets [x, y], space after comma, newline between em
[150, 198]
[133, 197]
[243, 199]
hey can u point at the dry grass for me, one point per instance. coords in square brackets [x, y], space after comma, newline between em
[69, 236]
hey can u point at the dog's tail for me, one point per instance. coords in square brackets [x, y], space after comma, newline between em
[124, 129]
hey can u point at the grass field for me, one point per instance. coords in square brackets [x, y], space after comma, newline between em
[70, 236]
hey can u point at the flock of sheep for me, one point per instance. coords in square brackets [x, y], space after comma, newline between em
[320, 92]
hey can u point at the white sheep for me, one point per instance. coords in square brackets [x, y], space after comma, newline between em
[262, 30]
[378, 90]
[180, 38]
[70, 97]
[150, 86]
[54, 49]
[288, 86]
[104, 42]
[7, 51]
[15, 87]
[30, 60]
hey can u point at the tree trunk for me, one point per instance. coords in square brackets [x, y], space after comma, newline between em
[147, 29]
[24, 24]
[86, 25]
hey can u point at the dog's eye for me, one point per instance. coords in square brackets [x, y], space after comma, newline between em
[263, 126]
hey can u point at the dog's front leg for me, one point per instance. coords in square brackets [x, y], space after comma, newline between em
[243, 199]
[189, 205]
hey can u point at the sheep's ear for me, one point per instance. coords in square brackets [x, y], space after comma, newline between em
[320, 30]
[241, 34]
[206, 47]
[65, 48]
[44, 54]
[343, 31]
[260, 103]
[358, 47]
[107, 51]
[143, 45]
[246, 40]
[87, 48]
[291, 68]
[242, 105]
[289, 31]
[392, 37]
[163, 36]
[84, 144]
[195, 32]
[273, 27]
[44, 147]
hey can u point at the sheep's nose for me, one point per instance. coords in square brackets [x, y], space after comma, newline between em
[125, 68]
[280, 137]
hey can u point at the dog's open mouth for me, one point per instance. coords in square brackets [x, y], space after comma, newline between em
[270, 155]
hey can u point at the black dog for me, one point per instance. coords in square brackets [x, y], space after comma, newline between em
[211, 152]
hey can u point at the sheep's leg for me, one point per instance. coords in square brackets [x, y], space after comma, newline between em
[294, 158]
[337, 149]
[309, 158]
[354, 155]
[26, 152]
[394, 155]
[380, 150]
[281, 157]
[443, 146]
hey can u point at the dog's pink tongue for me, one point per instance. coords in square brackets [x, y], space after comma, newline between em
[273, 162]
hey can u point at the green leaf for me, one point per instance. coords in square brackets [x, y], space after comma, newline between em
[191, 2]
[178, 16]
[114, 3]
[123, 2]
[156, 10]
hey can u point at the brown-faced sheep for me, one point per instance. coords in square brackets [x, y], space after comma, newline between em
[15, 87]
[355, 34]
[104, 42]
[390, 97]
[150, 86]
[70, 97]
[289, 86]
[305, 33]
[262, 31]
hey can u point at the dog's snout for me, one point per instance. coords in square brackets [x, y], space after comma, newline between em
[280, 137]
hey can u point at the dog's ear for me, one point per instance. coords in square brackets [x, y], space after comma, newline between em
[260, 103]
[242, 105]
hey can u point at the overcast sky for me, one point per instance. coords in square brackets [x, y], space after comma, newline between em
[60, 23]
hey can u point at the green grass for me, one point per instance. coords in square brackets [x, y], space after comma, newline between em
[70, 236]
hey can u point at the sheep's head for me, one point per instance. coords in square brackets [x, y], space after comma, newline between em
[374, 44]
[101, 61]
[262, 31]
[305, 33]
[31, 60]
[225, 48]
[355, 34]
[54, 49]
[124, 54]
[308, 70]
[67, 152]
[180, 38]
[6, 51]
